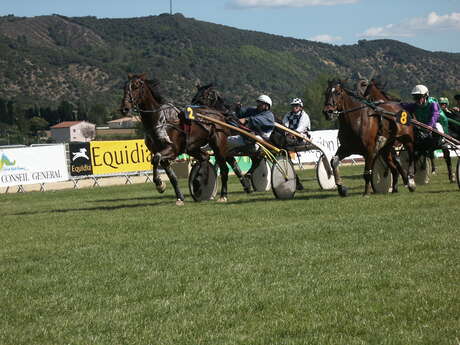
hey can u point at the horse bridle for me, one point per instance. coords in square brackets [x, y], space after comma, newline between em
[135, 103]
[336, 113]
[131, 100]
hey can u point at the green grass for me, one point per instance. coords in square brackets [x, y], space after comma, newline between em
[124, 265]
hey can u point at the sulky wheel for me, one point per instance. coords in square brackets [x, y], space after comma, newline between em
[260, 177]
[283, 178]
[202, 181]
[381, 176]
[324, 175]
[458, 172]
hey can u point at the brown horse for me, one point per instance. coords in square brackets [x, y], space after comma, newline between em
[208, 96]
[363, 131]
[143, 95]
[374, 92]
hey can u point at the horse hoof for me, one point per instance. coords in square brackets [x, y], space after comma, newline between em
[343, 191]
[179, 202]
[411, 185]
[452, 178]
[161, 188]
[222, 199]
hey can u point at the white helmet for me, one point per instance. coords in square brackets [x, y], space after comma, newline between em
[420, 90]
[265, 99]
[297, 101]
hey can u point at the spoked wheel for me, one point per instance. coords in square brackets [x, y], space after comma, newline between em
[261, 176]
[458, 172]
[324, 177]
[202, 181]
[283, 178]
[381, 176]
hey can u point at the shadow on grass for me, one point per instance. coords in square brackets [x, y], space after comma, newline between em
[135, 199]
[96, 208]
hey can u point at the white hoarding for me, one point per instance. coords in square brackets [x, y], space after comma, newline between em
[32, 165]
[326, 139]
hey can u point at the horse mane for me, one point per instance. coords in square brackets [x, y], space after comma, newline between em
[220, 103]
[381, 85]
[154, 87]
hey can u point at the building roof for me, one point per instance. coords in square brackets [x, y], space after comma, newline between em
[124, 119]
[66, 124]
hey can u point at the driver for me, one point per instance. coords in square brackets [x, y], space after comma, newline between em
[258, 119]
[297, 119]
[454, 126]
[426, 110]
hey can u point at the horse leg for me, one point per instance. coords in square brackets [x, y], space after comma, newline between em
[395, 168]
[166, 165]
[367, 174]
[433, 163]
[446, 154]
[160, 185]
[410, 147]
[223, 177]
[335, 161]
[245, 182]
[255, 161]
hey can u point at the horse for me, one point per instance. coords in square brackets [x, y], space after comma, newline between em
[144, 96]
[363, 131]
[375, 92]
[208, 96]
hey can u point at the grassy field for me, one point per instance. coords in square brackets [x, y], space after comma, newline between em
[123, 265]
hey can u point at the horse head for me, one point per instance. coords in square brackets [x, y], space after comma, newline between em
[333, 99]
[139, 93]
[375, 91]
[206, 95]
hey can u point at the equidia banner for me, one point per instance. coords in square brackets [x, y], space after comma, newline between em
[32, 165]
[113, 157]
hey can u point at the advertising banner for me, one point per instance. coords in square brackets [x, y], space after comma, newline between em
[80, 159]
[33, 165]
[114, 157]
[328, 140]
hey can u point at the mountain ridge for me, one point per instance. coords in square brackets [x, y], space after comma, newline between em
[47, 59]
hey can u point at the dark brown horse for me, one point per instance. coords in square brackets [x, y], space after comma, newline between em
[208, 96]
[365, 131]
[143, 95]
[374, 92]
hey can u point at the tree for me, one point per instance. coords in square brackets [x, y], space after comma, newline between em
[98, 114]
[38, 124]
[88, 132]
[314, 102]
[66, 111]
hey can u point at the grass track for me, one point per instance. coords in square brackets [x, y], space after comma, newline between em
[123, 265]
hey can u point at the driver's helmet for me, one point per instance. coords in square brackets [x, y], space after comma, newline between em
[444, 100]
[265, 99]
[297, 101]
[420, 90]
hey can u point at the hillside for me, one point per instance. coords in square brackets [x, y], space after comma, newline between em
[47, 60]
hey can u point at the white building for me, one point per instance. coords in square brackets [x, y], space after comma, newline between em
[73, 131]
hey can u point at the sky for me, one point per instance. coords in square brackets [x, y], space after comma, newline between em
[432, 25]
